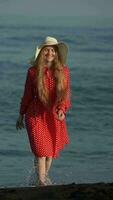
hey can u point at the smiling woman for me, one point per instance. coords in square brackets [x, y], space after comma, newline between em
[49, 54]
[44, 104]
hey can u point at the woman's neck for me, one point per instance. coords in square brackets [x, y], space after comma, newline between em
[49, 64]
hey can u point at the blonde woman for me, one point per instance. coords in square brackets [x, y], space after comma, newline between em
[44, 104]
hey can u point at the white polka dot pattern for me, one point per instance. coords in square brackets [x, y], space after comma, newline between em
[47, 134]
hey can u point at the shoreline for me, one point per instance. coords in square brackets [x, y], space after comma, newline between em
[84, 191]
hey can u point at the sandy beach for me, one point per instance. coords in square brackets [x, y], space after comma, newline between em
[95, 191]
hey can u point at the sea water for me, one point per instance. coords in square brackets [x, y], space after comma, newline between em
[89, 156]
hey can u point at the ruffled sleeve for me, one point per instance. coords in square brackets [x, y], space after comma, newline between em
[67, 103]
[27, 95]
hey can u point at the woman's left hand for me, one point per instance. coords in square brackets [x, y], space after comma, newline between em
[60, 115]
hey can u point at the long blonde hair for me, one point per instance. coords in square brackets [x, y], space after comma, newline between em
[59, 76]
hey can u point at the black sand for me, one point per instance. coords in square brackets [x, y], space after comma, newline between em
[96, 191]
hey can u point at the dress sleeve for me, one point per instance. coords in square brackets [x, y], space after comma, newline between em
[27, 95]
[67, 103]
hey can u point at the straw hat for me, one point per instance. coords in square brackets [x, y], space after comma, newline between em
[51, 41]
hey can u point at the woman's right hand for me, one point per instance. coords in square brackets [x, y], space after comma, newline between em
[19, 122]
[60, 115]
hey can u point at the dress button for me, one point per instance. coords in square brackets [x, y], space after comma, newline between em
[47, 74]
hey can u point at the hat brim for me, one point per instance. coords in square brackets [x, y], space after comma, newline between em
[63, 50]
[62, 47]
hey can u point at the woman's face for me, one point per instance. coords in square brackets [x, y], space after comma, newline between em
[49, 54]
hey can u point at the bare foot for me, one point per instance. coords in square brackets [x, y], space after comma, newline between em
[41, 183]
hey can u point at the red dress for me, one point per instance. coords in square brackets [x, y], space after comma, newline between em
[47, 135]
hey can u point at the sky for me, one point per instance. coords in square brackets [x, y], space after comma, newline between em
[57, 7]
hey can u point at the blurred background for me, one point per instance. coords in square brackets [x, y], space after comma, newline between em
[87, 27]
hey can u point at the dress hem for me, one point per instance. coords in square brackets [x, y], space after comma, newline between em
[54, 155]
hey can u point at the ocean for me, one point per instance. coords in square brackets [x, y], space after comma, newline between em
[89, 156]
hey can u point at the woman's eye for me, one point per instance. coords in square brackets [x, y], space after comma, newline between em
[52, 50]
[45, 50]
[49, 50]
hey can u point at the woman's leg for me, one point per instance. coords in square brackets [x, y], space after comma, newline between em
[48, 164]
[41, 169]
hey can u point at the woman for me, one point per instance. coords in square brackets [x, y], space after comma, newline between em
[44, 104]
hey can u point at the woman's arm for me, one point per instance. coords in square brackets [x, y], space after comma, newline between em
[28, 94]
[26, 99]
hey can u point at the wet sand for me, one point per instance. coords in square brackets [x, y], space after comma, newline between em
[95, 191]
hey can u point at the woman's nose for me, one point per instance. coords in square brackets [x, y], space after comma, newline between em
[49, 52]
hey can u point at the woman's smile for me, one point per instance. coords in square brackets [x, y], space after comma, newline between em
[49, 54]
